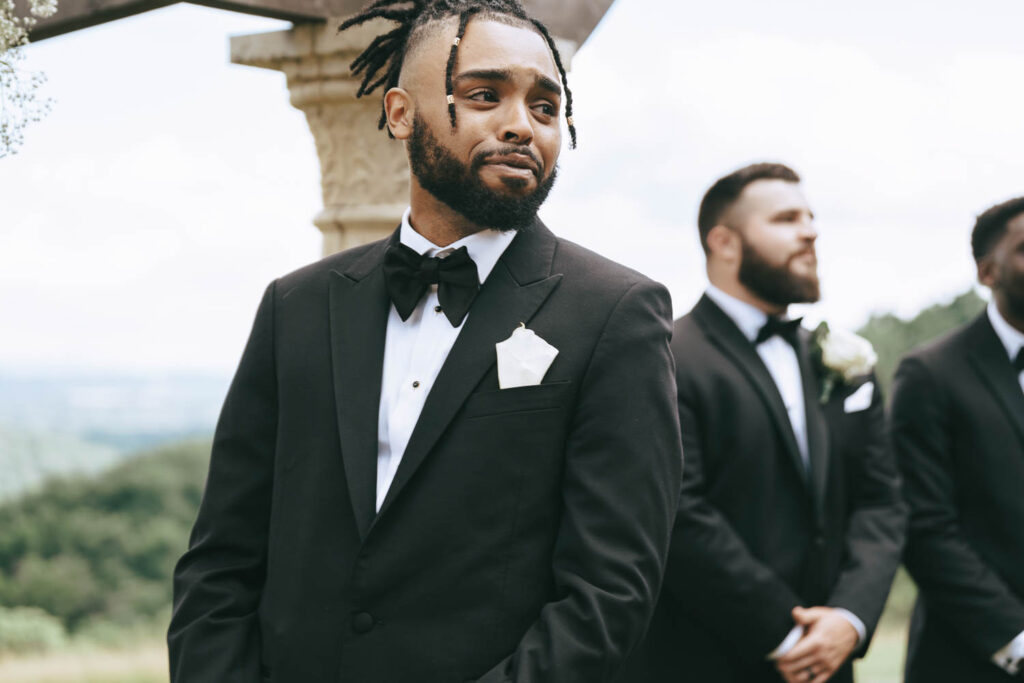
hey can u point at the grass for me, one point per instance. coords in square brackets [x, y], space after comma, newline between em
[144, 664]
[884, 663]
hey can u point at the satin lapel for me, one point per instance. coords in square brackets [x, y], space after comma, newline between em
[725, 335]
[359, 308]
[990, 360]
[817, 426]
[518, 285]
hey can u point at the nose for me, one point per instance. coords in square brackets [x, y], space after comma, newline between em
[808, 230]
[516, 126]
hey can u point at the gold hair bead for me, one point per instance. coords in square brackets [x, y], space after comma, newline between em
[451, 99]
[456, 42]
[568, 119]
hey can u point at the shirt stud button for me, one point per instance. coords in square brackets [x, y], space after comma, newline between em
[416, 385]
[437, 309]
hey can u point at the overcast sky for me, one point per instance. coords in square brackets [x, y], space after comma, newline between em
[144, 216]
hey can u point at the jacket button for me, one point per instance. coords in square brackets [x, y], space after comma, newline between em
[362, 622]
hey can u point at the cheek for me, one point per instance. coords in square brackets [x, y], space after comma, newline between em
[549, 145]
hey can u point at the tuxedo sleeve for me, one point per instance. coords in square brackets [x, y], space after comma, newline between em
[214, 632]
[960, 587]
[876, 526]
[711, 573]
[620, 485]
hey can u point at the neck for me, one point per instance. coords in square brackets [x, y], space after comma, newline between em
[735, 289]
[1011, 314]
[437, 221]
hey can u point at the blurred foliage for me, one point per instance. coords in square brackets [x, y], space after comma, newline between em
[97, 553]
[25, 630]
[893, 337]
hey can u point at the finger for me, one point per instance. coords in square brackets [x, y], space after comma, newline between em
[802, 664]
[805, 616]
[804, 646]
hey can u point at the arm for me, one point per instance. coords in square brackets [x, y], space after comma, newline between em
[621, 479]
[876, 528]
[214, 633]
[711, 572]
[960, 587]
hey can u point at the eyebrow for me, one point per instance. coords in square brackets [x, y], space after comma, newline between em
[506, 76]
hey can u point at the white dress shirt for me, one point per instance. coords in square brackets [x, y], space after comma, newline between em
[1010, 656]
[416, 348]
[784, 367]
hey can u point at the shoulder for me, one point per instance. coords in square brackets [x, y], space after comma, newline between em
[313, 278]
[602, 274]
[945, 349]
[596, 285]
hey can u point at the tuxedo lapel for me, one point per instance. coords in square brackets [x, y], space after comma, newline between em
[991, 362]
[724, 334]
[359, 307]
[817, 426]
[520, 282]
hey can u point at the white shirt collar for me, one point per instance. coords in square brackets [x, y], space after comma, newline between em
[484, 247]
[1012, 338]
[750, 319]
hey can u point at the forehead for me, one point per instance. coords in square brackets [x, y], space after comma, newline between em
[488, 44]
[1015, 226]
[771, 195]
[493, 44]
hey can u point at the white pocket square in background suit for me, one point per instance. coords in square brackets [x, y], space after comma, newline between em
[860, 399]
[523, 359]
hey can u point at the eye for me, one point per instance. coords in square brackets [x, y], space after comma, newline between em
[483, 96]
[545, 109]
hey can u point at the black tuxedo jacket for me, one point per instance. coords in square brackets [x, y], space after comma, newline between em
[958, 432]
[755, 535]
[524, 536]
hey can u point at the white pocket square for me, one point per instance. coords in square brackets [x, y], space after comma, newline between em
[523, 359]
[860, 399]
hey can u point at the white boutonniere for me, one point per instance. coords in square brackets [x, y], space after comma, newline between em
[841, 356]
[523, 359]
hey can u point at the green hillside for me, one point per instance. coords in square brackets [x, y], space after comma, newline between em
[98, 551]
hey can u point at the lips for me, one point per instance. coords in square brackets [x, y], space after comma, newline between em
[522, 162]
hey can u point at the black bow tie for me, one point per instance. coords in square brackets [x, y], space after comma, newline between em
[409, 275]
[787, 329]
[1018, 362]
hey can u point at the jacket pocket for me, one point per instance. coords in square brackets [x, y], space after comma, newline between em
[517, 400]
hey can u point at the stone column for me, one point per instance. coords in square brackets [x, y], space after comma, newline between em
[364, 173]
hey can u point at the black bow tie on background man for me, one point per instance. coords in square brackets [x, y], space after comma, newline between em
[409, 275]
[787, 329]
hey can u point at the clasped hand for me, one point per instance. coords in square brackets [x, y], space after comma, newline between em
[828, 640]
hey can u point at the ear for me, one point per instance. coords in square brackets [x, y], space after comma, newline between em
[724, 243]
[987, 271]
[400, 112]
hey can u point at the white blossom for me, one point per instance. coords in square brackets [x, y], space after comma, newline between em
[848, 354]
[19, 104]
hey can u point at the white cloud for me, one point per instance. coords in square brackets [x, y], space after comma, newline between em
[146, 214]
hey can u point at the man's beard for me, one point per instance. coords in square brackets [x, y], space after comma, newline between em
[460, 187]
[776, 284]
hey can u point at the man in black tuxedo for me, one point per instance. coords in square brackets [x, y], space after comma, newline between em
[790, 524]
[404, 486]
[958, 433]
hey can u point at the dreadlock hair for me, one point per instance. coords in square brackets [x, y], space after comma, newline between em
[380, 64]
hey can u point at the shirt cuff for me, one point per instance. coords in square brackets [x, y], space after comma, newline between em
[791, 639]
[1009, 657]
[858, 625]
